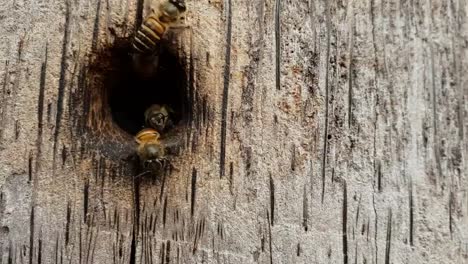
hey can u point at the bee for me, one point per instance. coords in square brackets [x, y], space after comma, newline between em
[151, 150]
[158, 117]
[148, 37]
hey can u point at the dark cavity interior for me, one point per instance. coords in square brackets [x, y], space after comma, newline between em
[130, 94]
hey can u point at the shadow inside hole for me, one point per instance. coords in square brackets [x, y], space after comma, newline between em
[130, 94]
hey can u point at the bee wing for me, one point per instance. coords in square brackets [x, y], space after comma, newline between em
[179, 25]
[173, 144]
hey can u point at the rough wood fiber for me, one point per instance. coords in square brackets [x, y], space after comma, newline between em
[321, 132]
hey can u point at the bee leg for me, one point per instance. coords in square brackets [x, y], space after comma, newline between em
[173, 167]
[134, 177]
[141, 174]
[160, 165]
[179, 26]
[163, 163]
[169, 124]
[146, 164]
[168, 165]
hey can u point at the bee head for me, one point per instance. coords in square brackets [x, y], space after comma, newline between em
[180, 4]
[170, 11]
[155, 165]
[157, 117]
[157, 121]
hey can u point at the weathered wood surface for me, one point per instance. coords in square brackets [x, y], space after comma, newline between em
[321, 132]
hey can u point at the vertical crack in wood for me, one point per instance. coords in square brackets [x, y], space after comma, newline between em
[92, 232]
[389, 237]
[168, 252]
[270, 237]
[305, 210]
[164, 211]
[89, 238]
[231, 178]
[163, 185]
[227, 77]
[197, 236]
[64, 155]
[411, 211]
[67, 224]
[293, 158]
[3, 101]
[97, 20]
[49, 112]
[327, 73]
[345, 223]
[450, 213]
[434, 119]
[376, 229]
[18, 73]
[31, 235]
[278, 43]
[80, 244]
[40, 107]
[56, 248]
[272, 200]
[162, 252]
[39, 249]
[17, 129]
[367, 229]
[136, 220]
[379, 176]
[10, 253]
[62, 79]
[350, 72]
[459, 70]
[190, 96]
[376, 77]
[110, 31]
[30, 167]
[358, 210]
[356, 254]
[85, 201]
[193, 193]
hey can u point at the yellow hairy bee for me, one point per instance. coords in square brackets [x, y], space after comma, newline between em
[154, 26]
[151, 150]
[158, 117]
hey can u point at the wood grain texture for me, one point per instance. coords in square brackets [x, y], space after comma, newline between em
[318, 132]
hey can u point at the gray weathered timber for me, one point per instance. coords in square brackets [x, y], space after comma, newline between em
[321, 132]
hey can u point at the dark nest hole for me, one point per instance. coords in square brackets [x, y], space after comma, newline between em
[130, 92]
[113, 98]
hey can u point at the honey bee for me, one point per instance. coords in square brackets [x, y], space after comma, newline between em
[146, 43]
[158, 117]
[151, 150]
[148, 37]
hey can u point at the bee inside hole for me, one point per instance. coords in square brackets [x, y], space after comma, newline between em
[130, 93]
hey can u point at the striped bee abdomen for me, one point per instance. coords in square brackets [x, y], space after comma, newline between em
[149, 35]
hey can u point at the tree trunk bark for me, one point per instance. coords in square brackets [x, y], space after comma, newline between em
[313, 132]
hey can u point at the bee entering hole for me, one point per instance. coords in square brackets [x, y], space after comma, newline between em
[135, 93]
